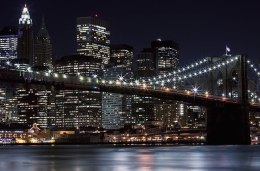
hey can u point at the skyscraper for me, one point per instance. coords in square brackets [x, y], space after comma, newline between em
[143, 107]
[116, 108]
[77, 107]
[93, 38]
[25, 37]
[166, 54]
[43, 49]
[162, 57]
[8, 43]
[93, 41]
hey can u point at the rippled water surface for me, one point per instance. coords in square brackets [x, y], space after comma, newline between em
[109, 158]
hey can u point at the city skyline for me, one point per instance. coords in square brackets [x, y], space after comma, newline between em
[201, 29]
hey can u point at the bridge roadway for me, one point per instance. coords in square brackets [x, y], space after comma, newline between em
[60, 81]
[74, 82]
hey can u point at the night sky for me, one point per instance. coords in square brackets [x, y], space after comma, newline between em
[201, 27]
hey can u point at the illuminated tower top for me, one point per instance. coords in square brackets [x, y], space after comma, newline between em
[25, 17]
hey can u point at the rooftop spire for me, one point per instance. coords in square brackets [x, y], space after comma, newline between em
[43, 30]
[25, 17]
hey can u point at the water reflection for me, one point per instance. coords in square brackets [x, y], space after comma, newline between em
[107, 158]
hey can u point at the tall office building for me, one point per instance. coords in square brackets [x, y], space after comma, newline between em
[93, 38]
[116, 108]
[93, 41]
[143, 107]
[25, 37]
[8, 43]
[166, 54]
[43, 49]
[162, 57]
[77, 107]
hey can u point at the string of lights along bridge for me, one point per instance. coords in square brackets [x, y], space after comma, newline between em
[165, 83]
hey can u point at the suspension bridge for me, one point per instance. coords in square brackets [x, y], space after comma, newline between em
[220, 84]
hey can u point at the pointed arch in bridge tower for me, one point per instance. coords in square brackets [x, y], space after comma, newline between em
[220, 86]
[233, 85]
[229, 123]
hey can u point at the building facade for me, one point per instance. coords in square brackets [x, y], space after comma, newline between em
[75, 108]
[162, 57]
[93, 38]
[8, 44]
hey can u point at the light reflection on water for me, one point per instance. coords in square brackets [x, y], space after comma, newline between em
[108, 158]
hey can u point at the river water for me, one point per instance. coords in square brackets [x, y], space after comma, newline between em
[141, 158]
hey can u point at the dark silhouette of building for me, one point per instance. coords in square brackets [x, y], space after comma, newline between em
[43, 48]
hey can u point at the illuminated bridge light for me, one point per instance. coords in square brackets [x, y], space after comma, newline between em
[81, 78]
[248, 61]
[121, 78]
[47, 74]
[65, 76]
[103, 81]
[56, 75]
[110, 82]
[236, 58]
[118, 82]
[207, 94]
